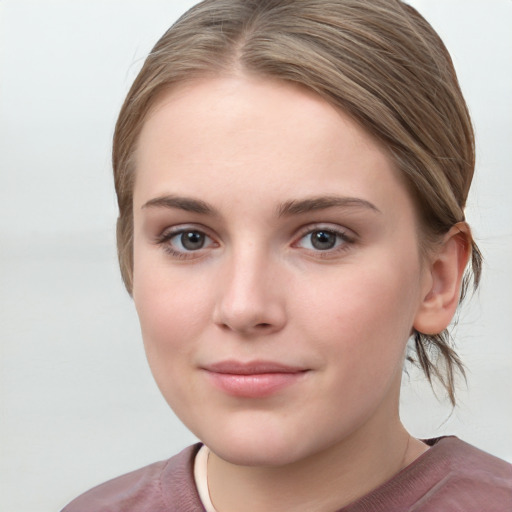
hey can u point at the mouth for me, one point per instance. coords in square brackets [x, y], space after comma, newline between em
[254, 379]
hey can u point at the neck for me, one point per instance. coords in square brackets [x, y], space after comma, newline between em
[323, 482]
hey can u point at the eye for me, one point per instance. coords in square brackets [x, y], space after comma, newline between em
[182, 242]
[324, 240]
[189, 240]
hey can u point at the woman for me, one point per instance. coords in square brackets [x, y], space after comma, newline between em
[291, 179]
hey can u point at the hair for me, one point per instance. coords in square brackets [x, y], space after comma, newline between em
[379, 61]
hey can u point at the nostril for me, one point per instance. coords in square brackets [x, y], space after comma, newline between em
[263, 325]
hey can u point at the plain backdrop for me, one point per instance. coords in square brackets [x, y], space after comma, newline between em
[78, 403]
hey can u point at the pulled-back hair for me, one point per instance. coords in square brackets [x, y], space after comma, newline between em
[379, 61]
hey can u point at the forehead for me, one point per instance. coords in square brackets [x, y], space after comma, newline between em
[241, 105]
[241, 135]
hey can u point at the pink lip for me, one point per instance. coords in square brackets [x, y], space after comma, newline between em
[255, 379]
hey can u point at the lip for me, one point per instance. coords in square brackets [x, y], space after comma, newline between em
[254, 379]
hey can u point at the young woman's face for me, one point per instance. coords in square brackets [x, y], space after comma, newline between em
[277, 274]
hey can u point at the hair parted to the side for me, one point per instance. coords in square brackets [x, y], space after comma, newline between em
[377, 60]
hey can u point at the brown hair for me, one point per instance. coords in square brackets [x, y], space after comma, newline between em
[377, 60]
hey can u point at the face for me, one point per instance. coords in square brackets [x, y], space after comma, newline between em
[277, 275]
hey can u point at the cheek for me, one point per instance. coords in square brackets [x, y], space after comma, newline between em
[172, 311]
[364, 314]
[172, 315]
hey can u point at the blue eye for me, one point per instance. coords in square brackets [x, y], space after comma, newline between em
[323, 240]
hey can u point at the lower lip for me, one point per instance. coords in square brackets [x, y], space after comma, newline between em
[258, 385]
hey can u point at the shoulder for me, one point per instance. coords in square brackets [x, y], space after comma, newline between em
[460, 460]
[164, 486]
[452, 476]
[478, 474]
[467, 478]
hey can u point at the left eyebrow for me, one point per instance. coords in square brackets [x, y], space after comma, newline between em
[311, 204]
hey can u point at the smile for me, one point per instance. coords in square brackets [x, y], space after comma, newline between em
[257, 379]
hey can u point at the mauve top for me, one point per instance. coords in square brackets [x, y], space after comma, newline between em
[452, 476]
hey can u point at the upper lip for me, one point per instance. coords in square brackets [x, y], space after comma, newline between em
[251, 368]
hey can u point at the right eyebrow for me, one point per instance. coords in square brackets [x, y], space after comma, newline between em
[187, 204]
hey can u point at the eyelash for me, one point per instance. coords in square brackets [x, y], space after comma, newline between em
[167, 236]
[343, 241]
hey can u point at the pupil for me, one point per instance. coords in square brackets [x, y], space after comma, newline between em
[323, 240]
[192, 240]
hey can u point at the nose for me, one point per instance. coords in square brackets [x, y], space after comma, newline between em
[251, 299]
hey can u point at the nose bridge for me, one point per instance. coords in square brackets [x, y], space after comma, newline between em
[250, 299]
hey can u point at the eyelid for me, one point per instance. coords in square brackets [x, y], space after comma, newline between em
[164, 238]
[326, 226]
[347, 236]
[170, 231]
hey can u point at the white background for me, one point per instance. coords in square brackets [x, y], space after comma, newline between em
[78, 404]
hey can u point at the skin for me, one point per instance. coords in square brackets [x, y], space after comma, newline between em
[258, 289]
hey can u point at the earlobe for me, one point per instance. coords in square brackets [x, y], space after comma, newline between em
[446, 270]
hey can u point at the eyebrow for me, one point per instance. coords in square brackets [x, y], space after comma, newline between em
[322, 203]
[287, 209]
[187, 204]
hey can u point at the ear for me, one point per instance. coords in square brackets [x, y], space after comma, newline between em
[443, 281]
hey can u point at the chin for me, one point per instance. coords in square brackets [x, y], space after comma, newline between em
[260, 446]
[255, 453]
